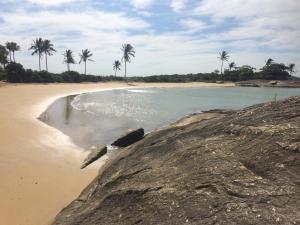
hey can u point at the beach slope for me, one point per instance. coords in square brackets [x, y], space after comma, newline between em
[40, 166]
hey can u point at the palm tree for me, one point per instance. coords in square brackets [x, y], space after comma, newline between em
[69, 59]
[8, 46]
[47, 49]
[3, 55]
[14, 48]
[269, 62]
[232, 65]
[216, 71]
[223, 57]
[291, 68]
[84, 57]
[37, 47]
[116, 66]
[128, 51]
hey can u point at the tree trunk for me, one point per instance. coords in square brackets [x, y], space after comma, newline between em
[85, 67]
[125, 70]
[222, 70]
[68, 64]
[40, 62]
[14, 56]
[9, 56]
[115, 73]
[46, 63]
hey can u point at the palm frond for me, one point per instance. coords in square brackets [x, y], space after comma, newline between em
[128, 51]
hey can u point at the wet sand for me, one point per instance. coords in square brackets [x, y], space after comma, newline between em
[39, 166]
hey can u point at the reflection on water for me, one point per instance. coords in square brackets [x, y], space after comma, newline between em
[68, 107]
[95, 119]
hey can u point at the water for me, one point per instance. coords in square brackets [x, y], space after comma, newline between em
[95, 119]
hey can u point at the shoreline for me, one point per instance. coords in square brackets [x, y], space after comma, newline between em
[39, 166]
[269, 83]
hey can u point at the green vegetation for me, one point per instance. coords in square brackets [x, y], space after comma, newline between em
[84, 57]
[14, 72]
[37, 47]
[274, 71]
[2, 74]
[128, 52]
[47, 50]
[239, 74]
[269, 62]
[116, 66]
[231, 66]
[17, 74]
[12, 47]
[68, 58]
[291, 68]
[178, 78]
[3, 56]
[223, 57]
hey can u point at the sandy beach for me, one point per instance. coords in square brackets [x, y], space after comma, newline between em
[39, 166]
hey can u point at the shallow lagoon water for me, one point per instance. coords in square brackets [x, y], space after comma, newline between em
[95, 119]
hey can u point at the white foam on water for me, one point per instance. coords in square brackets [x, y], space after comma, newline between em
[139, 91]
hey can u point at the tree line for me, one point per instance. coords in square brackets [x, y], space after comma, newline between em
[270, 71]
[45, 48]
[14, 72]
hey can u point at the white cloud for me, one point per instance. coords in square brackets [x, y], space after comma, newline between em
[242, 9]
[9, 1]
[178, 5]
[50, 2]
[51, 22]
[141, 4]
[269, 23]
[193, 25]
[102, 32]
[256, 26]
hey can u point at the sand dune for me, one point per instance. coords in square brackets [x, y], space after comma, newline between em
[39, 166]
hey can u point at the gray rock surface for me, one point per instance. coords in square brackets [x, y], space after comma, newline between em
[232, 168]
[95, 154]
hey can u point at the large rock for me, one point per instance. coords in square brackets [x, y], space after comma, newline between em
[129, 138]
[95, 154]
[236, 168]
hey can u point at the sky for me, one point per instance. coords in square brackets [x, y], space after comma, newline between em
[169, 36]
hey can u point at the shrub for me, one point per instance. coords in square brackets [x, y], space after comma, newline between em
[46, 77]
[3, 55]
[274, 71]
[246, 73]
[27, 78]
[71, 76]
[2, 74]
[240, 74]
[233, 75]
[15, 72]
[57, 78]
[66, 77]
[36, 77]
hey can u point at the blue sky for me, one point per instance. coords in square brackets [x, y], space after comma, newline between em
[169, 36]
